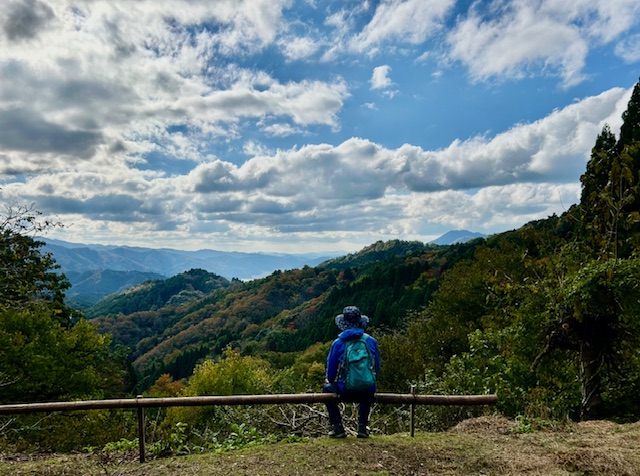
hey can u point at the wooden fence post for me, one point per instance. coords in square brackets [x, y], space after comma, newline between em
[413, 411]
[141, 428]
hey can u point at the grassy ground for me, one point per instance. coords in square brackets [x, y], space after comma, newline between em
[481, 446]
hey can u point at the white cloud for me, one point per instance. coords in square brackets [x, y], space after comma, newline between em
[410, 21]
[380, 77]
[492, 208]
[145, 111]
[519, 38]
[553, 148]
[306, 102]
[99, 78]
[281, 130]
[629, 49]
[602, 20]
[486, 184]
[299, 48]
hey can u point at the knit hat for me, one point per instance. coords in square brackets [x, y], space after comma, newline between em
[351, 318]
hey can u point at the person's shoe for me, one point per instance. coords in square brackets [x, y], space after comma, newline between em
[337, 432]
[363, 431]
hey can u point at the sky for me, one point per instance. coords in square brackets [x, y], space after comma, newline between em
[305, 126]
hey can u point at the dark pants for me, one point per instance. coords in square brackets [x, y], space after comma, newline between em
[364, 400]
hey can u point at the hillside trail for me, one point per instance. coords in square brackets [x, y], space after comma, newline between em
[479, 446]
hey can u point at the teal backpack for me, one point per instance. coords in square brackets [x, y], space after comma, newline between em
[358, 365]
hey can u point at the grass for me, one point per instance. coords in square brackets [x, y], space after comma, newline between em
[481, 446]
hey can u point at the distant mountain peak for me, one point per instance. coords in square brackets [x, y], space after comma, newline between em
[457, 236]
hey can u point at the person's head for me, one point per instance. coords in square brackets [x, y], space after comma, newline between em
[351, 318]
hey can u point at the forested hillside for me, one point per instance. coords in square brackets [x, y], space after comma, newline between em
[156, 293]
[283, 313]
[89, 287]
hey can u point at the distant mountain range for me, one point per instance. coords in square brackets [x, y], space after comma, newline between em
[96, 271]
[73, 257]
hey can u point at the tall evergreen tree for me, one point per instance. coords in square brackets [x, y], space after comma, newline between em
[610, 200]
[596, 176]
[599, 299]
[594, 181]
[630, 129]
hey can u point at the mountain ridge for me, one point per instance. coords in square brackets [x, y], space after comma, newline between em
[96, 271]
[170, 262]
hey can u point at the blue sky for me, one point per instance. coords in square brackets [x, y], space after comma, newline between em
[298, 126]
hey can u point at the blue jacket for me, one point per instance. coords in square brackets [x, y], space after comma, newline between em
[336, 355]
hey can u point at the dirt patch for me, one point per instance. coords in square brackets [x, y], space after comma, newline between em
[596, 461]
[497, 425]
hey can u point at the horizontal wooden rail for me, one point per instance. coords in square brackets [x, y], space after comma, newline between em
[397, 398]
[141, 403]
[451, 400]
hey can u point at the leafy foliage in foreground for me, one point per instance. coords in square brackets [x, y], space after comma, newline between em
[47, 351]
[28, 276]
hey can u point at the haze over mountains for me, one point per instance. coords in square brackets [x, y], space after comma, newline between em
[96, 271]
[169, 262]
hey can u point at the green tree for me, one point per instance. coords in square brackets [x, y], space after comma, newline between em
[596, 175]
[595, 303]
[26, 274]
[474, 294]
[591, 291]
[605, 310]
[594, 316]
[610, 200]
[42, 360]
[630, 129]
[46, 351]
[231, 375]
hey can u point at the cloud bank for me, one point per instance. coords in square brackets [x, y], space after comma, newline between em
[198, 124]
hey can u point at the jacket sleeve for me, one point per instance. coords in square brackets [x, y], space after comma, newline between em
[333, 360]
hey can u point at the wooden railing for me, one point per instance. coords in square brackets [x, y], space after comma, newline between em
[141, 403]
